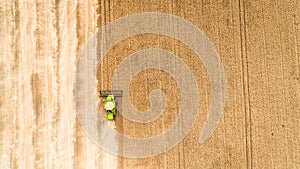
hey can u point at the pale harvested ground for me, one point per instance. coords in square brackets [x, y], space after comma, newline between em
[258, 42]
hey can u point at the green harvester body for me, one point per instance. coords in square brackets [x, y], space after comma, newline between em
[109, 103]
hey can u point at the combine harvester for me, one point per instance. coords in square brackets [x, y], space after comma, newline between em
[110, 104]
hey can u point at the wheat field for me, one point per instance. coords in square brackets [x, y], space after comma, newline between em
[258, 43]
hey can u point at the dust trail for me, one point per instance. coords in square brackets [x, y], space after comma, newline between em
[87, 154]
[85, 84]
[109, 161]
[106, 160]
